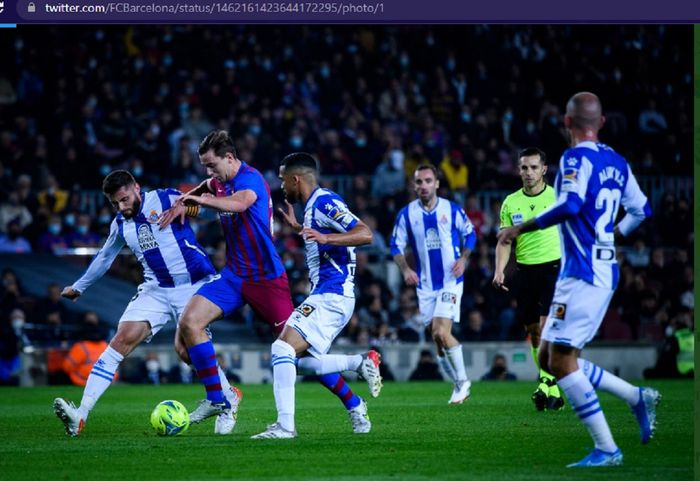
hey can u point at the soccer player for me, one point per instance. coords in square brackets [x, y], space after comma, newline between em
[592, 182]
[537, 255]
[331, 232]
[441, 237]
[174, 267]
[254, 273]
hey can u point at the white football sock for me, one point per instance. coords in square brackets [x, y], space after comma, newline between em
[584, 401]
[284, 374]
[455, 357]
[447, 367]
[99, 380]
[608, 382]
[329, 363]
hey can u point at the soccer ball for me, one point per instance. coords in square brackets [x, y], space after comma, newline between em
[170, 418]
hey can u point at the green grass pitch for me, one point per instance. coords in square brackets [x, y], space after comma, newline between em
[496, 435]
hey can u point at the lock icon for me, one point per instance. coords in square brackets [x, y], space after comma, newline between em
[31, 8]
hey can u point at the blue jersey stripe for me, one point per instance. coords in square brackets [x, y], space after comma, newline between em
[412, 243]
[196, 261]
[153, 257]
[456, 234]
[437, 273]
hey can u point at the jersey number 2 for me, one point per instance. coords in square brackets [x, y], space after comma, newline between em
[609, 200]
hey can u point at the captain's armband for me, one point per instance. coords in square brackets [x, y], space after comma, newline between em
[191, 210]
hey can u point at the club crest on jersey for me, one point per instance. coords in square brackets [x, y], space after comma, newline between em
[153, 217]
[432, 239]
[146, 239]
[449, 297]
[305, 309]
[558, 311]
[516, 218]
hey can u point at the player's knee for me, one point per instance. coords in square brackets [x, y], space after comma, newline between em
[128, 337]
[281, 350]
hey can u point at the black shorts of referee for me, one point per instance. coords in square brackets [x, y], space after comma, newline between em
[535, 290]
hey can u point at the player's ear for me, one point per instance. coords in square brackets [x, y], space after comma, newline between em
[602, 121]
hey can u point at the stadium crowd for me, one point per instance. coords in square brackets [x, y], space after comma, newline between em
[371, 103]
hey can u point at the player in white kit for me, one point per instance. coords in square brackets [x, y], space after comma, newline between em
[592, 182]
[331, 232]
[174, 267]
[441, 237]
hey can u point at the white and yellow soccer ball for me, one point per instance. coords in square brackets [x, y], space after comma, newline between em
[170, 418]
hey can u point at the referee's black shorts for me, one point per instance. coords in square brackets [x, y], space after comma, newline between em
[535, 290]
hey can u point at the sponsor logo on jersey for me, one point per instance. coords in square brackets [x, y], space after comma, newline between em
[432, 239]
[146, 239]
[305, 309]
[516, 218]
[449, 297]
[558, 311]
[338, 212]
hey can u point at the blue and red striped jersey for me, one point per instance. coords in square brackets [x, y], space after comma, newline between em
[250, 252]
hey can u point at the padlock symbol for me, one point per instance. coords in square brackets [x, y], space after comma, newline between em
[31, 8]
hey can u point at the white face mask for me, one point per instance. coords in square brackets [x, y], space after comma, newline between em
[17, 323]
[152, 365]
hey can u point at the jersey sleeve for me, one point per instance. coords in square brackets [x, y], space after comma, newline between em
[102, 260]
[466, 229]
[399, 237]
[506, 221]
[635, 203]
[334, 214]
[572, 181]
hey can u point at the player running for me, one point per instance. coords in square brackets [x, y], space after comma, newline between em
[331, 232]
[254, 273]
[174, 267]
[441, 238]
[537, 255]
[592, 182]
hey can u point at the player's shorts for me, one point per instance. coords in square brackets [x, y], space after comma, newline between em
[158, 305]
[577, 310]
[320, 318]
[270, 299]
[442, 303]
[535, 290]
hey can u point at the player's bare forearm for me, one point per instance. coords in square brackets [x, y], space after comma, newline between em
[502, 256]
[202, 188]
[400, 260]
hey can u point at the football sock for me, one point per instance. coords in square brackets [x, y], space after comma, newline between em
[337, 385]
[608, 382]
[99, 379]
[284, 375]
[203, 359]
[329, 363]
[584, 401]
[535, 359]
[446, 367]
[456, 360]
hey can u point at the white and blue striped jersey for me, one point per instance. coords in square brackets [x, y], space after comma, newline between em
[593, 181]
[331, 268]
[436, 238]
[170, 257]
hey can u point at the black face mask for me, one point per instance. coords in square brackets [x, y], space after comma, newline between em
[498, 370]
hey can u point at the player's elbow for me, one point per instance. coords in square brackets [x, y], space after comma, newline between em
[366, 236]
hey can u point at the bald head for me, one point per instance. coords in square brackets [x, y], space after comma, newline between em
[585, 112]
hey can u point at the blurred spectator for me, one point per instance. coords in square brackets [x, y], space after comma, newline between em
[408, 318]
[13, 242]
[84, 353]
[473, 329]
[426, 369]
[52, 240]
[51, 309]
[676, 356]
[389, 178]
[651, 121]
[9, 351]
[638, 255]
[153, 369]
[53, 198]
[82, 235]
[226, 367]
[181, 373]
[456, 173]
[12, 210]
[499, 370]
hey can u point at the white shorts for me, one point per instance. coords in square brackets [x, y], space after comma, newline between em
[158, 305]
[320, 318]
[443, 303]
[576, 312]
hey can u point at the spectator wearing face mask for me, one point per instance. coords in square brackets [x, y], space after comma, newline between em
[52, 239]
[83, 235]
